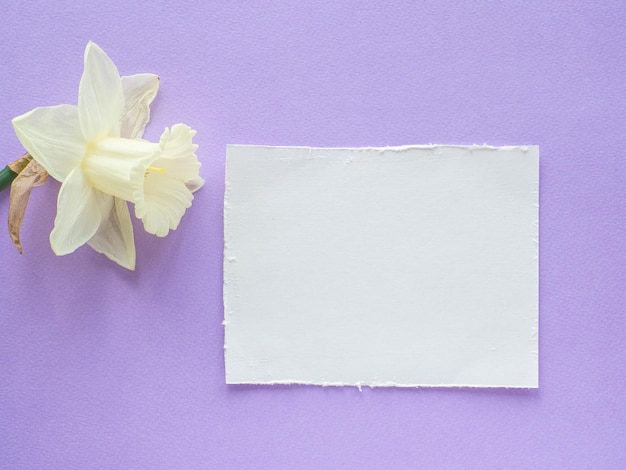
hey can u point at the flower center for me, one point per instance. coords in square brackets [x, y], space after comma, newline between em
[154, 169]
[118, 166]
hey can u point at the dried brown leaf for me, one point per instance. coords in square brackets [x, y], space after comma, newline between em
[18, 165]
[32, 175]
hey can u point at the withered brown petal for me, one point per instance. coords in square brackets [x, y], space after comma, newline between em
[32, 175]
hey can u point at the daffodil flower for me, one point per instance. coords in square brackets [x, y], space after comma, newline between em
[95, 150]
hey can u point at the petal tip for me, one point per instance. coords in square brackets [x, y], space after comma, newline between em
[92, 45]
[195, 183]
[57, 248]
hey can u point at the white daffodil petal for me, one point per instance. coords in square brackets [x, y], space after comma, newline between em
[100, 96]
[80, 210]
[139, 92]
[114, 237]
[53, 137]
[194, 184]
[163, 204]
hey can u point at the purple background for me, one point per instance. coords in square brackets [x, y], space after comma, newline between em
[104, 368]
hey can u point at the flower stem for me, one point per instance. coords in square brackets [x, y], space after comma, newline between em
[6, 177]
[10, 172]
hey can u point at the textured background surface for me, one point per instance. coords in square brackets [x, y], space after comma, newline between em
[100, 367]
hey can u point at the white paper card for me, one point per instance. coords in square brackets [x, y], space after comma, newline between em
[402, 266]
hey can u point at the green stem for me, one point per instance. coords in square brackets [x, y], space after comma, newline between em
[6, 177]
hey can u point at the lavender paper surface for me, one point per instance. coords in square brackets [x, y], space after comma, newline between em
[103, 368]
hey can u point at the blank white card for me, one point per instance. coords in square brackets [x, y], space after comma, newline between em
[402, 266]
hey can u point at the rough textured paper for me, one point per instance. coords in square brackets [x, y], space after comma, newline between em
[403, 266]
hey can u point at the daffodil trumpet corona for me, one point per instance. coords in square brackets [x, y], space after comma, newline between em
[96, 151]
